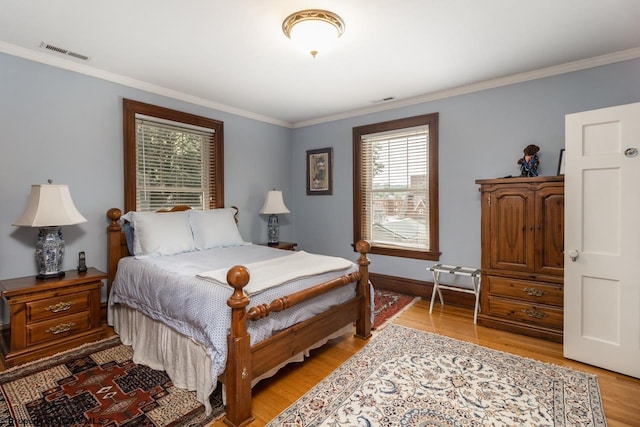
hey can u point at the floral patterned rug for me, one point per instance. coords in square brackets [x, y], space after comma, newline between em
[406, 377]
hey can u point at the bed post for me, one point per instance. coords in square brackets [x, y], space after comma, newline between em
[363, 325]
[114, 252]
[237, 376]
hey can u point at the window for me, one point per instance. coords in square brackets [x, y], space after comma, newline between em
[396, 187]
[171, 158]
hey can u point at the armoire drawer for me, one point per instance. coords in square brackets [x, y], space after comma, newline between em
[544, 315]
[534, 292]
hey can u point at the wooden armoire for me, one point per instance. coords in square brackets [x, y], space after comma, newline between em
[522, 255]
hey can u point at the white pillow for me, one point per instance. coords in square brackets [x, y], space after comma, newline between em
[215, 228]
[165, 233]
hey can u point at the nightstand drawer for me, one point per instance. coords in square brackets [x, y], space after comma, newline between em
[52, 308]
[56, 328]
[523, 312]
[534, 292]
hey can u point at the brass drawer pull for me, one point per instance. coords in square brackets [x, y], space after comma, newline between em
[534, 292]
[61, 306]
[535, 313]
[62, 327]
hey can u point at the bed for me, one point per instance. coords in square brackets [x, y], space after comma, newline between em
[265, 323]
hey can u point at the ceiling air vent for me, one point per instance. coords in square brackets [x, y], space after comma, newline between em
[387, 99]
[64, 51]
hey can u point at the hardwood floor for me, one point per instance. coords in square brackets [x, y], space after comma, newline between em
[620, 393]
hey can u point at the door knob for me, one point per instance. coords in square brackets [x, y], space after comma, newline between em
[631, 152]
[573, 254]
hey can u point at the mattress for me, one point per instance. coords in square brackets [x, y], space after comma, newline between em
[167, 289]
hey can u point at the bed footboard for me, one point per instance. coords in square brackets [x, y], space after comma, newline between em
[245, 362]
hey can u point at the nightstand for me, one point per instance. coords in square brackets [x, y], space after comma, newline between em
[288, 246]
[51, 315]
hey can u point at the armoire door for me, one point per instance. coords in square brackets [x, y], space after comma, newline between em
[549, 222]
[512, 229]
[602, 238]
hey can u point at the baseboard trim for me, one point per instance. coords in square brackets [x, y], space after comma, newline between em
[419, 288]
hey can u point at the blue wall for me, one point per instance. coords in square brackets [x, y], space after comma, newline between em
[482, 135]
[68, 127]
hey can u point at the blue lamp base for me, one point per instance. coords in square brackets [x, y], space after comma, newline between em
[273, 230]
[49, 253]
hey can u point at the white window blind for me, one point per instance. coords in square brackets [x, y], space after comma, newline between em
[395, 188]
[174, 163]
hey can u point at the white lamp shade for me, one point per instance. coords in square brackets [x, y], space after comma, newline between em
[274, 204]
[49, 205]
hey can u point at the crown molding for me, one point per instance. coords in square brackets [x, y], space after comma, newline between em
[569, 67]
[71, 65]
[77, 67]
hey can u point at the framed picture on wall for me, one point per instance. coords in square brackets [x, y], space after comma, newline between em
[320, 172]
[561, 163]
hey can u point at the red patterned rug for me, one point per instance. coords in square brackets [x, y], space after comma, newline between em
[97, 384]
[387, 305]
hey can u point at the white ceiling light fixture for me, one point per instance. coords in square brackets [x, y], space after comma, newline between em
[313, 30]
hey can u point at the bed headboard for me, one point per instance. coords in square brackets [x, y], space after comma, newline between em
[117, 242]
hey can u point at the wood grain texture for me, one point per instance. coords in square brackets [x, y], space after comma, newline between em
[51, 315]
[522, 237]
[271, 396]
[243, 361]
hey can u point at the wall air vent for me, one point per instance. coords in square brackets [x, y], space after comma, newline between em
[64, 51]
[387, 99]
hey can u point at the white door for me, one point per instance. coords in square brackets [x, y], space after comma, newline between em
[602, 238]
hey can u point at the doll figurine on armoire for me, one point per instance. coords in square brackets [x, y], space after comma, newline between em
[529, 162]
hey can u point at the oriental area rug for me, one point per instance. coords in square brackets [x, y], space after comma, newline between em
[97, 385]
[388, 305]
[406, 377]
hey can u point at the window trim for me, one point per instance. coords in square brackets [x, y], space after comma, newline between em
[427, 119]
[130, 109]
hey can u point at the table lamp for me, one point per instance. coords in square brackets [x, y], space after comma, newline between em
[273, 206]
[49, 207]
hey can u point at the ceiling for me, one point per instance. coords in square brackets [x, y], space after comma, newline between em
[233, 55]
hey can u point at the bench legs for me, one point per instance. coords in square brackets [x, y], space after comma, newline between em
[436, 288]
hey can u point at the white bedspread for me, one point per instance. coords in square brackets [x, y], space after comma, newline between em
[274, 272]
[166, 289]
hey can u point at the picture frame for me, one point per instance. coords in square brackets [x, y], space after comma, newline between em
[320, 172]
[561, 162]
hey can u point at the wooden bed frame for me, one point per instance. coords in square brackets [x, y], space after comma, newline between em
[246, 362]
